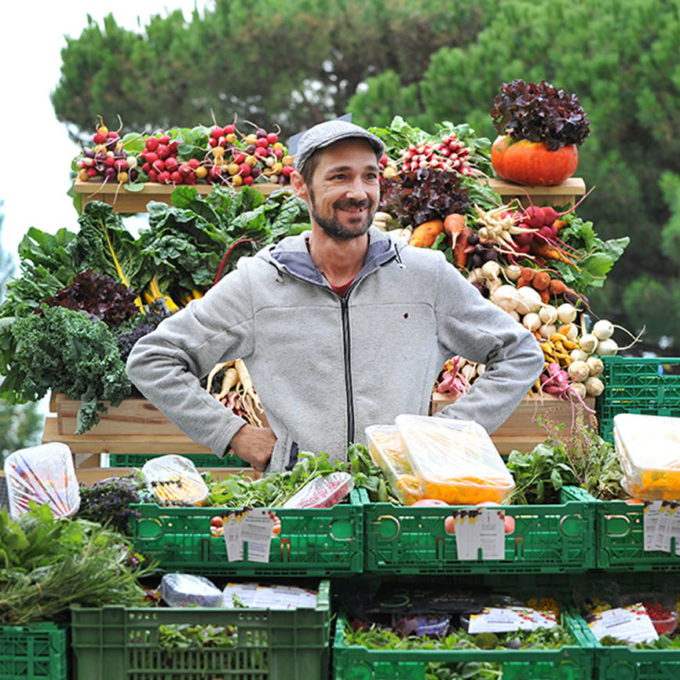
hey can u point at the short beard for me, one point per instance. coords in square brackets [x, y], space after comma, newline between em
[332, 227]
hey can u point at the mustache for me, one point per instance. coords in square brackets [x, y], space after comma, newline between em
[350, 203]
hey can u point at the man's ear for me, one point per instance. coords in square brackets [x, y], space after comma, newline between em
[298, 185]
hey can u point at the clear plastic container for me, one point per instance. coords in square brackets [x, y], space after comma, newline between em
[175, 480]
[648, 448]
[386, 446]
[455, 459]
[659, 607]
[43, 474]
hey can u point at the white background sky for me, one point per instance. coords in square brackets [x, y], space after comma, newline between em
[35, 150]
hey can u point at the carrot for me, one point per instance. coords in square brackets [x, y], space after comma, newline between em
[548, 251]
[558, 224]
[425, 234]
[527, 273]
[558, 287]
[454, 224]
[462, 248]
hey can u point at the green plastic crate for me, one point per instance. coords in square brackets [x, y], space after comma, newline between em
[312, 542]
[647, 385]
[119, 643]
[33, 652]
[547, 538]
[117, 460]
[619, 530]
[574, 662]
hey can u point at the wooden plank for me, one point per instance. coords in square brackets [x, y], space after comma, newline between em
[522, 431]
[559, 194]
[132, 416]
[120, 442]
[135, 201]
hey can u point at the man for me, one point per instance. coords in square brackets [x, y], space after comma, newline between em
[340, 327]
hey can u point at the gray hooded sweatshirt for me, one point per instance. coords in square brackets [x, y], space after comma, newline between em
[325, 367]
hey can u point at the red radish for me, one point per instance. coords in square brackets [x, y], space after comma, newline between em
[194, 163]
[150, 156]
[248, 180]
[158, 166]
[216, 132]
[176, 177]
[146, 167]
[228, 129]
[262, 141]
[99, 138]
[212, 141]
[153, 175]
[190, 178]
[163, 151]
[165, 139]
[164, 177]
[171, 164]
[244, 169]
[272, 138]
[184, 168]
[152, 143]
[239, 157]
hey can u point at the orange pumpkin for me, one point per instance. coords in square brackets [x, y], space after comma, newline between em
[532, 163]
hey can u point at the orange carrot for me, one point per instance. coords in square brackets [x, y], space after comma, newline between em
[548, 251]
[425, 234]
[541, 281]
[454, 225]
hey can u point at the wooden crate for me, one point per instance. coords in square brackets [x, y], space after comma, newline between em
[135, 427]
[135, 201]
[558, 195]
[522, 431]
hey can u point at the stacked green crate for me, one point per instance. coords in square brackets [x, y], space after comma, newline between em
[33, 652]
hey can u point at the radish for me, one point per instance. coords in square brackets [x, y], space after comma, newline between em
[578, 371]
[566, 313]
[603, 329]
[608, 347]
[548, 314]
[588, 343]
[531, 321]
[594, 386]
[546, 330]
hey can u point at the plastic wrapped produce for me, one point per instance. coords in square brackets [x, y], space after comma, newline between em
[388, 452]
[43, 474]
[322, 492]
[455, 459]
[189, 590]
[175, 479]
[648, 448]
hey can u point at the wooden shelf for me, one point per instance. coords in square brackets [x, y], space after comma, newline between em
[521, 431]
[135, 201]
[557, 195]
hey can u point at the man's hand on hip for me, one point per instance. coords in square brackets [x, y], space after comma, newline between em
[254, 445]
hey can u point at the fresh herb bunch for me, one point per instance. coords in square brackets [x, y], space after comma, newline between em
[108, 502]
[585, 460]
[368, 475]
[99, 296]
[426, 194]
[47, 564]
[185, 636]
[539, 112]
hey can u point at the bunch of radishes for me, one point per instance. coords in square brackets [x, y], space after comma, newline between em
[237, 159]
[160, 161]
[449, 154]
[107, 159]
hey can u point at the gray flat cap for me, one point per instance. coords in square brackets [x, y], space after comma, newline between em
[324, 134]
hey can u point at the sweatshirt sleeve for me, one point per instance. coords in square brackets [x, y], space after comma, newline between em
[471, 326]
[168, 364]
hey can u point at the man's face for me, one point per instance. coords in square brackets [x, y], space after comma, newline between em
[345, 189]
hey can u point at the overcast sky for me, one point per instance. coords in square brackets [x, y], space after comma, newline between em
[35, 150]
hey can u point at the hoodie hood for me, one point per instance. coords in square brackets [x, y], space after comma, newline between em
[291, 255]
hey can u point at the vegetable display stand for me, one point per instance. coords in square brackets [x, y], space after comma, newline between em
[33, 652]
[125, 201]
[646, 385]
[546, 539]
[118, 643]
[315, 542]
[557, 195]
[574, 662]
[522, 430]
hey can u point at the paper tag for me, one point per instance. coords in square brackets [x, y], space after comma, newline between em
[492, 534]
[467, 533]
[509, 620]
[256, 530]
[481, 528]
[232, 523]
[661, 524]
[631, 624]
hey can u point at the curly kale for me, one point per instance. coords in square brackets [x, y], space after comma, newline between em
[66, 351]
[540, 113]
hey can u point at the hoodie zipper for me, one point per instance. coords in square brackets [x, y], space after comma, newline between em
[344, 310]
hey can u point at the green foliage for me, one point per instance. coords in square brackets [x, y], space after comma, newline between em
[20, 425]
[293, 64]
